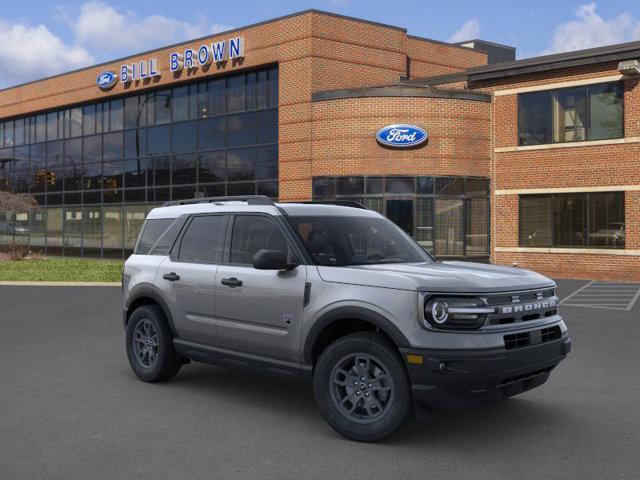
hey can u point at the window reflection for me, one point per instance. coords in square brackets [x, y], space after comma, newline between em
[89, 160]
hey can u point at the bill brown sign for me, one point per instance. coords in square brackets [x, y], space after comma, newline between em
[189, 59]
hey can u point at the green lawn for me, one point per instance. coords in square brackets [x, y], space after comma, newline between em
[61, 270]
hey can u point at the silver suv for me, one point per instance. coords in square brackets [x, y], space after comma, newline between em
[338, 296]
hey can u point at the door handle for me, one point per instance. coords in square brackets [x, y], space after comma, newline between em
[172, 277]
[231, 282]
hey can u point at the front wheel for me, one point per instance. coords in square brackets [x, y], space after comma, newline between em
[362, 387]
[150, 345]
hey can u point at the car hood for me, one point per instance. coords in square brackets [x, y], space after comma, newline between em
[460, 277]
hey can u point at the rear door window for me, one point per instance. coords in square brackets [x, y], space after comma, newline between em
[203, 241]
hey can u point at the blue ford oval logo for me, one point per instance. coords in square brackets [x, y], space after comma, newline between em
[106, 80]
[401, 136]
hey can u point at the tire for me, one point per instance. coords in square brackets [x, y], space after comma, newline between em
[384, 403]
[152, 357]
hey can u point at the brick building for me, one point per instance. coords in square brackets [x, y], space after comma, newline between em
[528, 162]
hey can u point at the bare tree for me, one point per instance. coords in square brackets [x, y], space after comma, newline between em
[16, 202]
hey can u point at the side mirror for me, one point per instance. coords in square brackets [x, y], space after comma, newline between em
[272, 260]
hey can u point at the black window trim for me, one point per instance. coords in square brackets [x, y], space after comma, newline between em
[553, 222]
[174, 254]
[551, 92]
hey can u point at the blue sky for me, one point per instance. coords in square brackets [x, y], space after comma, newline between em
[43, 37]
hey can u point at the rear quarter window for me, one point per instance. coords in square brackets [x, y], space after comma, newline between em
[151, 233]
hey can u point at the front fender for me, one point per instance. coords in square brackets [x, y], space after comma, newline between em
[351, 312]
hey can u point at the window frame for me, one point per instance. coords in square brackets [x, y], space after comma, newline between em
[588, 196]
[552, 93]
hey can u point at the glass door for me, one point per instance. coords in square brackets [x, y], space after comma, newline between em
[400, 212]
[449, 227]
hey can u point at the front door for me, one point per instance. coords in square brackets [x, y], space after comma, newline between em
[259, 311]
[400, 212]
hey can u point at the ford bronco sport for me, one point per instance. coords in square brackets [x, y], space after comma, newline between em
[338, 296]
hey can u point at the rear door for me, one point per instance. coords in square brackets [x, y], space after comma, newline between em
[259, 311]
[187, 277]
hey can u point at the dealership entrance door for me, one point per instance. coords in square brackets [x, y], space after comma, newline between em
[400, 212]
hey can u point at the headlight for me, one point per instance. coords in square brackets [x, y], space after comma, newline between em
[456, 312]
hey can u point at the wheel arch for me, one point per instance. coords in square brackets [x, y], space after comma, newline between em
[332, 319]
[146, 294]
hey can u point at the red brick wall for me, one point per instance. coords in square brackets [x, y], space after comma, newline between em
[344, 137]
[429, 58]
[565, 167]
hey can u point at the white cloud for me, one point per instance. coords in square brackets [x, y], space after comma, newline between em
[98, 33]
[469, 31]
[104, 29]
[28, 52]
[591, 30]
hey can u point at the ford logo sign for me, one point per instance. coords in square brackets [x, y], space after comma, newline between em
[401, 136]
[106, 80]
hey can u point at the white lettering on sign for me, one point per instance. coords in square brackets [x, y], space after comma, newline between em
[217, 52]
[401, 135]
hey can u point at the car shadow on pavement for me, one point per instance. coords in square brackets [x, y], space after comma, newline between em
[291, 401]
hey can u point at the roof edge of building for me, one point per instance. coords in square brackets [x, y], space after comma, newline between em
[436, 79]
[400, 90]
[243, 27]
[442, 42]
[555, 61]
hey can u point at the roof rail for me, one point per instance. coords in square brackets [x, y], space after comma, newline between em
[250, 199]
[342, 203]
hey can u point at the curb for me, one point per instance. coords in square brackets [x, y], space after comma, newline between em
[60, 284]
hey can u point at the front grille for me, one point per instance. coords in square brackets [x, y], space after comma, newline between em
[525, 339]
[522, 306]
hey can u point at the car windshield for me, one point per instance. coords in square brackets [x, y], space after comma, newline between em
[356, 240]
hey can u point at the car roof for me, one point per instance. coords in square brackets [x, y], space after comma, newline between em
[174, 211]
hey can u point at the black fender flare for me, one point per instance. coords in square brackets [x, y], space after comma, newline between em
[148, 290]
[351, 312]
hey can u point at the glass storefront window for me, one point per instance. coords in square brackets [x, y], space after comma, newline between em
[573, 220]
[449, 227]
[37, 227]
[134, 216]
[424, 223]
[141, 149]
[72, 230]
[112, 231]
[400, 185]
[91, 231]
[448, 216]
[575, 114]
[477, 232]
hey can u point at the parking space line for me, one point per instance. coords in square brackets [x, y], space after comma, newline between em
[612, 296]
[634, 300]
[576, 292]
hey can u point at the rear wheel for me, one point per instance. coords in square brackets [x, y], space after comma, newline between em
[150, 345]
[362, 388]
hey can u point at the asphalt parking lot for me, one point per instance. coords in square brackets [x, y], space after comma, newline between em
[70, 408]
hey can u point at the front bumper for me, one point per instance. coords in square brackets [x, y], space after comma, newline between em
[449, 379]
